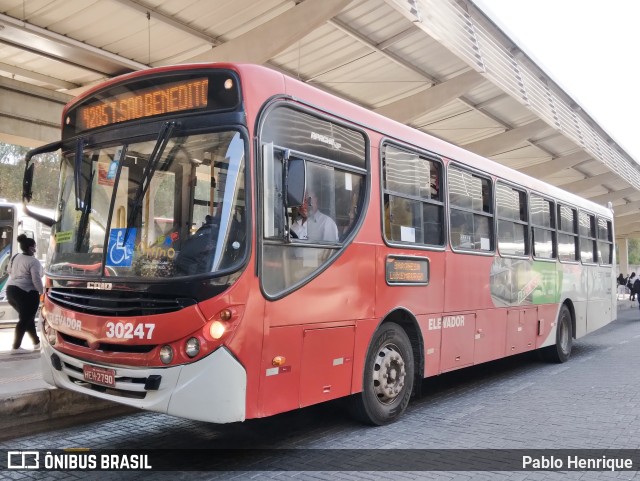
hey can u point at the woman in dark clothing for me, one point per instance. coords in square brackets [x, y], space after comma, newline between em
[630, 282]
[23, 292]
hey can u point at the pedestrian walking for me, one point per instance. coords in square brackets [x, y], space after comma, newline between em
[23, 292]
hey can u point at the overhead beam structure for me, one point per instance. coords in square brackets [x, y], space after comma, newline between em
[627, 220]
[64, 49]
[550, 167]
[628, 229]
[38, 77]
[628, 208]
[612, 196]
[272, 37]
[507, 140]
[410, 108]
[27, 108]
[590, 182]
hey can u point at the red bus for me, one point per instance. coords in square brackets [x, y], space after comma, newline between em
[255, 245]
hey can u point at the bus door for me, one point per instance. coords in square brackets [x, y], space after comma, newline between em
[317, 282]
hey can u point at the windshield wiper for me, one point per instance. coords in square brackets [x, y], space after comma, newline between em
[86, 209]
[147, 175]
[77, 170]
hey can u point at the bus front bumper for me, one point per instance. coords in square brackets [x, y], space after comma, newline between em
[212, 389]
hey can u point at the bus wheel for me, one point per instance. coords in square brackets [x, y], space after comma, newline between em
[388, 377]
[561, 351]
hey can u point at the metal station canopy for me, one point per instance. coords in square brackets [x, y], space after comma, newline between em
[440, 66]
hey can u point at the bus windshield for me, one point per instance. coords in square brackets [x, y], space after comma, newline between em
[166, 207]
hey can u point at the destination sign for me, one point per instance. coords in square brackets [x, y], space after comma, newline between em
[407, 270]
[191, 94]
[154, 95]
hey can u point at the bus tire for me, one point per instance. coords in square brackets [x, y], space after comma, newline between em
[388, 377]
[561, 350]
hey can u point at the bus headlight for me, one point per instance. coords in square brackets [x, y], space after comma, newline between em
[216, 329]
[192, 347]
[49, 332]
[52, 337]
[166, 354]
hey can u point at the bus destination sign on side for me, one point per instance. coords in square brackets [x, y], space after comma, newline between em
[407, 270]
[191, 94]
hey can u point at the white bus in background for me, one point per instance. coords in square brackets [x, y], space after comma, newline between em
[13, 222]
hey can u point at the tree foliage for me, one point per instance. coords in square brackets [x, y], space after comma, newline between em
[634, 251]
[45, 183]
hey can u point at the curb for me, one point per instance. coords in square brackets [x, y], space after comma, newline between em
[43, 409]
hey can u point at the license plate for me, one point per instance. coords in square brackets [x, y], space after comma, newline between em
[99, 375]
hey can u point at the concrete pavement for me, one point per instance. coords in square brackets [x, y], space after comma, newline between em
[29, 405]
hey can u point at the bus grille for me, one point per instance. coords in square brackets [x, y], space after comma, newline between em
[117, 303]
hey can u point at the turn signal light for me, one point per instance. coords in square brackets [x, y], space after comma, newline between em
[278, 361]
[225, 314]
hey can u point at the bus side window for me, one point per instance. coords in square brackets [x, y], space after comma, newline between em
[299, 240]
[413, 202]
[470, 211]
[328, 215]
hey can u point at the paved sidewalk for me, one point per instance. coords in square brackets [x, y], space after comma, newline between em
[28, 404]
[19, 373]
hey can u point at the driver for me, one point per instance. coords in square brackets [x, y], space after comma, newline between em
[312, 224]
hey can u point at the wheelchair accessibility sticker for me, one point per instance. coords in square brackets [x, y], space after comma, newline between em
[120, 253]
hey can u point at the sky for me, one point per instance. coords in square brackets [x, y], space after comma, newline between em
[589, 48]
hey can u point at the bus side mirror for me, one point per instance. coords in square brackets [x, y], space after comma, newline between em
[27, 180]
[27, 183]
[295, 182]
[45, 219]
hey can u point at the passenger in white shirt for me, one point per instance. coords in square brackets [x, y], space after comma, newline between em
[312, 224]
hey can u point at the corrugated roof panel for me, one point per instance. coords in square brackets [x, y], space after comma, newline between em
[592, 168]
[429, 55]
[321, 51]
[557, 144]
[374, 19]
[564, 176]
[370, 79]
[598, 190]
[45, 13]
[464, 128]
[513, 113]
[155, 45]
[519, 157]
[231, 18]
[448, 111]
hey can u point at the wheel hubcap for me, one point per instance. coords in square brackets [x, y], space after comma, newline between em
[388, 374]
